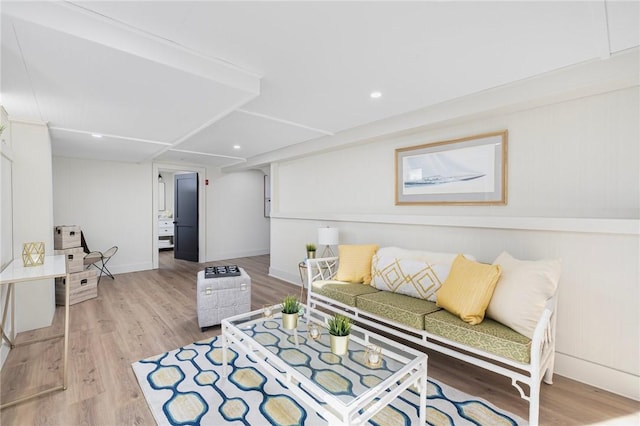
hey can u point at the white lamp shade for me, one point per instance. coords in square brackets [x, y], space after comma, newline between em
[328, 236]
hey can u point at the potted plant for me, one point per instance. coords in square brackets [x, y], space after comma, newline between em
[311, 251]
[290, 309]
[339, 328]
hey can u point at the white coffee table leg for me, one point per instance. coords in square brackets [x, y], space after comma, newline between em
[423, 396]
[225, 345]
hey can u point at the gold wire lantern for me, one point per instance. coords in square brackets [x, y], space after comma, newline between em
[33, 254]
[373, 356]
[313, 331]
[267, 311]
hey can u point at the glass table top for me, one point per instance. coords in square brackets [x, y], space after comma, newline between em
[346, 377]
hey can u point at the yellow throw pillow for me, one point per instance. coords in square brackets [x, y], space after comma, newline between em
[354, 263]
[468, 289]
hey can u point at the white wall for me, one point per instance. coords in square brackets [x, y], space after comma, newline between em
[32, 218]
[6, 220]
[574, 188]
[236, 210]
[6, 212]
[112, 202]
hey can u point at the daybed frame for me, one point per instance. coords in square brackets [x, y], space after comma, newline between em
[542, 344]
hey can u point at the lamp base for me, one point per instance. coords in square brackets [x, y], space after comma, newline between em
[327, 252]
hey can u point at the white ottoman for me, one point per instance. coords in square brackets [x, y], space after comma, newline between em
[223, 297]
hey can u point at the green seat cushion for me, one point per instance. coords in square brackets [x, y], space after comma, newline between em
[344, 292]
[489, 335]
[397, 307]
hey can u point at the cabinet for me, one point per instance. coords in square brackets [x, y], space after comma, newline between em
[165, 233]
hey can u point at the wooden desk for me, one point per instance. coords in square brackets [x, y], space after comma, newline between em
[16, 273]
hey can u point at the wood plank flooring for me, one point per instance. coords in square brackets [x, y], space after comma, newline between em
[142, 314]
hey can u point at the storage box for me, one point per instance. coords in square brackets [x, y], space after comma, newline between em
[220, 298]
[74, 259]
[83, 286]
[65, 237]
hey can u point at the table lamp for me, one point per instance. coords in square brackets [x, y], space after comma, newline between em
[328, 237]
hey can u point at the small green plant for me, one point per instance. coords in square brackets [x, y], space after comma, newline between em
[339, 325]
[290, 305]
[311, 247]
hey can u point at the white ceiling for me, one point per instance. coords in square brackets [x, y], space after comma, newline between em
[178, 81]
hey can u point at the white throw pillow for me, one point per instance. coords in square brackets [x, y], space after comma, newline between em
[411, 272]
[522, 292]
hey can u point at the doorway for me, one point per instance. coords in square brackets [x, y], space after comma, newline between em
[194, 230]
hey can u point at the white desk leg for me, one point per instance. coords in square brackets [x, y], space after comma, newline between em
[66, 332]
[65, 350]
[12, 334]
[8, 298]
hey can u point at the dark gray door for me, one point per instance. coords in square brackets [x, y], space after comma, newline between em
[186, 217]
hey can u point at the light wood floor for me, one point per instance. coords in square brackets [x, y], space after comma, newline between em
[142, 314]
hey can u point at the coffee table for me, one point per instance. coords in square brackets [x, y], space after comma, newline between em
[343, 389]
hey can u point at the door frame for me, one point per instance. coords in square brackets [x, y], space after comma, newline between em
[159, 167]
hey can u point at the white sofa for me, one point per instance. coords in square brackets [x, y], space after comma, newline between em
[401, 301]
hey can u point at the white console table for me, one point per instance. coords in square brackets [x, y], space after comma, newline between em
[16, 273]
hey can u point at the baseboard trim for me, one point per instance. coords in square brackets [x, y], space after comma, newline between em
[600, 376]
[285, 276]
[132, 267]
[236, 254]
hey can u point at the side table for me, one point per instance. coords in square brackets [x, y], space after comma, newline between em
[302, 268]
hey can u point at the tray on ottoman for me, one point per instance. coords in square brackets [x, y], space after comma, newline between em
[222, 297]
[221, 271]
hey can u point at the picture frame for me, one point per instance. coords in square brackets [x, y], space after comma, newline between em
[466, 171]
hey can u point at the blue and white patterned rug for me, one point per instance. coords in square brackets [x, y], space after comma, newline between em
[184, 387]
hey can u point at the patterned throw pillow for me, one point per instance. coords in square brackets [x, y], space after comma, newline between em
[413, 273]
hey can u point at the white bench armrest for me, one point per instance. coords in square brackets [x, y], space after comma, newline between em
[323, 268]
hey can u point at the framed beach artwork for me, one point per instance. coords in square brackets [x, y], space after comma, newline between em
[465, 171]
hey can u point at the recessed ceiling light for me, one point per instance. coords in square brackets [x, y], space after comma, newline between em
[375, 95]
[236, 147]
[96, 135]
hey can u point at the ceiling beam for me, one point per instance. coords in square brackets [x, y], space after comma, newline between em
[598, 11]
[78, 21]
[590, 78]
[208, 123]
[287, 122]
[127, 138]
